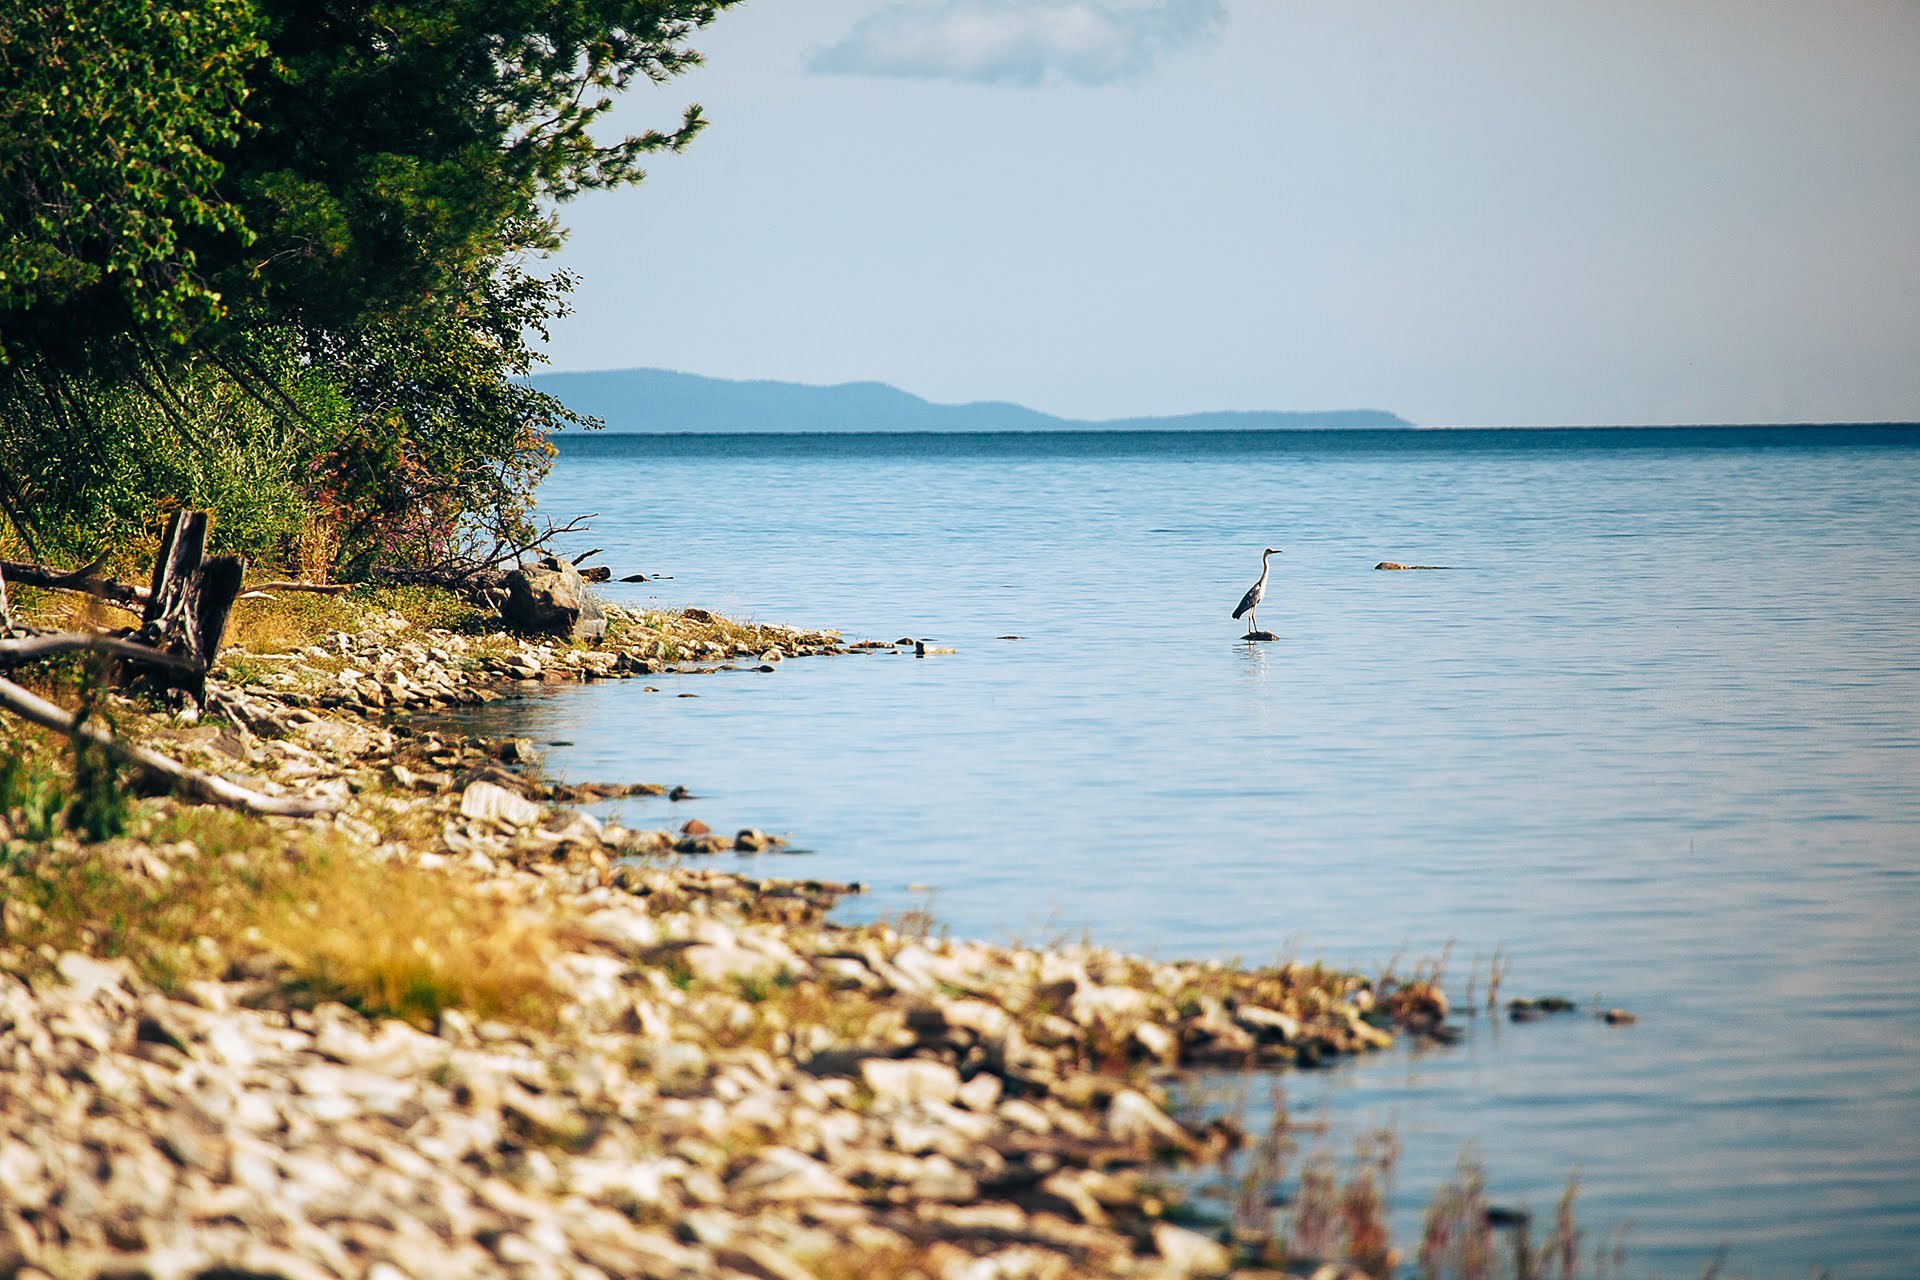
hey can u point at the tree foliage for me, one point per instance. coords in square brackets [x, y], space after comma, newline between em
[275, 256]
[111, 120]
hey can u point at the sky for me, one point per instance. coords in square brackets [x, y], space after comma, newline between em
[1529, 212]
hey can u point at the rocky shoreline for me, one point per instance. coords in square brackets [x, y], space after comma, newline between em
[709, 1077]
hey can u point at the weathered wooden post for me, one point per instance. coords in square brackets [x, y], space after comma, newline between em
[187, 605]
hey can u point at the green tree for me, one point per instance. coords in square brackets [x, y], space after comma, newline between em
[247, 236]
[111, 122]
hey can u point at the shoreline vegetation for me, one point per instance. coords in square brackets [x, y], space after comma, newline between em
[459, 1026]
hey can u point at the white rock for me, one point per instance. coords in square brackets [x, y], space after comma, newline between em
[24, 1184]
[846, 974]
[594, 981]
[929, 970]
[938, 1178]
[982, 1093]
[1066, 1186]
[713, 932]
[1157, 1040]
[680, 1061]
[626, 931]
[627, 1184]
[394, 1049]
[1091, 1004]
[1269, 1023]
[988, 1021]
[1025, 1115]
[87, 977]
[1365, 1032]
[491, 802]
[253, 1167]
[781, 1173]
[762, 1261]
[1133, 1117]
[1188, 1253]
[908, 1080]
[576, 827]
[228, 1044]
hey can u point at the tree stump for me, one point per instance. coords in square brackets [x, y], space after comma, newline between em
[187, 607]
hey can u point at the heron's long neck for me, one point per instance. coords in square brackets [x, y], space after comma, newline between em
[1264, 566]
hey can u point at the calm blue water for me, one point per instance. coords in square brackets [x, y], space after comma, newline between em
[1655, 736]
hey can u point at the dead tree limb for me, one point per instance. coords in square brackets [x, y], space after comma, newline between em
[39, 575]
[317, 588]
[191, 782]
[24, 649]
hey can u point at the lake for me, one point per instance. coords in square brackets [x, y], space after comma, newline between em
[1652, 738]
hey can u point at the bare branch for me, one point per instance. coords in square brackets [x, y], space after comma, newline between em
[317, 588]
[37, 575]
[201, 786]
[14, 653]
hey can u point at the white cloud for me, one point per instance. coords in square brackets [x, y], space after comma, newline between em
[1020, 42]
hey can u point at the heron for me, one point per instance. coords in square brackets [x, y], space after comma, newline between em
[1250, 602]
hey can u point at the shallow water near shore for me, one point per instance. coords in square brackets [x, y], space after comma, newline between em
[1654, 736]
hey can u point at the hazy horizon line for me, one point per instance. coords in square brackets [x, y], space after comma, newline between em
[1097, 424]
[1098, 428]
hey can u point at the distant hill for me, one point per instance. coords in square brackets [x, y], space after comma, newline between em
[661, 401]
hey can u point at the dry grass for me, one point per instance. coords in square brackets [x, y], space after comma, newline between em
[203, 888]
[293, 620]
[395, 941]
[288, 620]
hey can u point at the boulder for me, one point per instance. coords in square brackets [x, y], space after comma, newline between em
[551, 598]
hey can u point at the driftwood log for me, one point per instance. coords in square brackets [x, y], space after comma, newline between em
[191, 782]
[183, 616]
